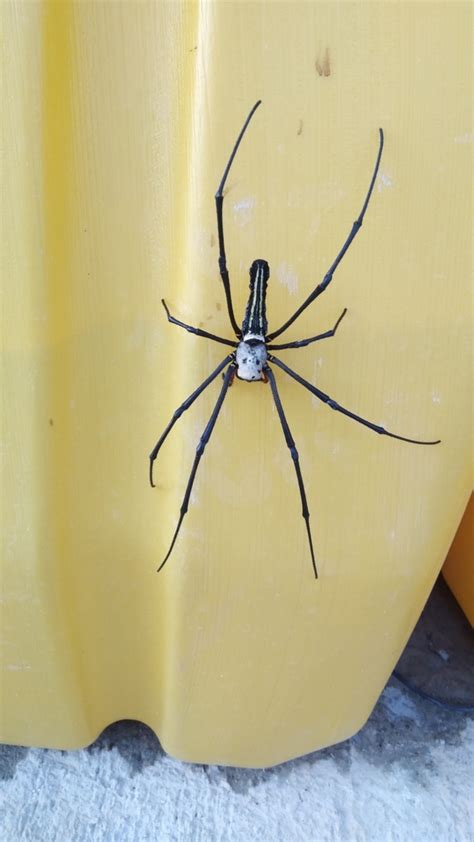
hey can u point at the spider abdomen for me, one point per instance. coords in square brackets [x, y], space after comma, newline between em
[255, 319]
[251, 359]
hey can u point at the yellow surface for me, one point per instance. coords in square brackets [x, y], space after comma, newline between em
[118, 120]
[458, 569]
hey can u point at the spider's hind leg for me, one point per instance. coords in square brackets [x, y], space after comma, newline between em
[338, 408]
[296, 461]
[184, 406]
[229, 376]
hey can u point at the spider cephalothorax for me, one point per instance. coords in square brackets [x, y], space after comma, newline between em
[250, 358]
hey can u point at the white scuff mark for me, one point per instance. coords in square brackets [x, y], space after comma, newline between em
[315, 225]
[294, 199]
[398, 705]
[463, 138]
[243, 210]
[288, 277]
[435, 397]
[384, 181]
[17, 667]
[135, 338]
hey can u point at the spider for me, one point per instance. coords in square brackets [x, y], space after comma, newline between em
[250, 358]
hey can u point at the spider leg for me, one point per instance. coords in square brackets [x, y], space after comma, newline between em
[184, 406]
[302, 342]
[294, 455]
[197, 330]
[219, 197]
[334, 405]
[328, 276]
[229, 376]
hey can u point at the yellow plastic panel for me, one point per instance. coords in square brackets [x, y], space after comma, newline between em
[119, 118]
[458, 569]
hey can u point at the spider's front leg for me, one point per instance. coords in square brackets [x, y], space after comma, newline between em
[219, 197]
[356, 226]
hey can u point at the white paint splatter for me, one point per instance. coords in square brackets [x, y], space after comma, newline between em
[435, 397]
[463, 138]
[135, 337]
[288, 277]
[243, 210]
[384, 181]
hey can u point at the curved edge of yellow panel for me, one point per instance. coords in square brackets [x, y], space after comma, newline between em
[458, 569]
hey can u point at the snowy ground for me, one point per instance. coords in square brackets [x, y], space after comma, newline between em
[407, 776]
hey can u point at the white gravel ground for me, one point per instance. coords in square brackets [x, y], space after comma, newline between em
[406, 776]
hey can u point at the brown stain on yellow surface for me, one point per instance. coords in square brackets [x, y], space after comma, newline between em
[323, 66]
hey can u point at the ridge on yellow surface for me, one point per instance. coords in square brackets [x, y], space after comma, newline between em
[118, 121]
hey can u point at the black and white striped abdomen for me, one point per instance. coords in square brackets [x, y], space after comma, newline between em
[255, 320]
